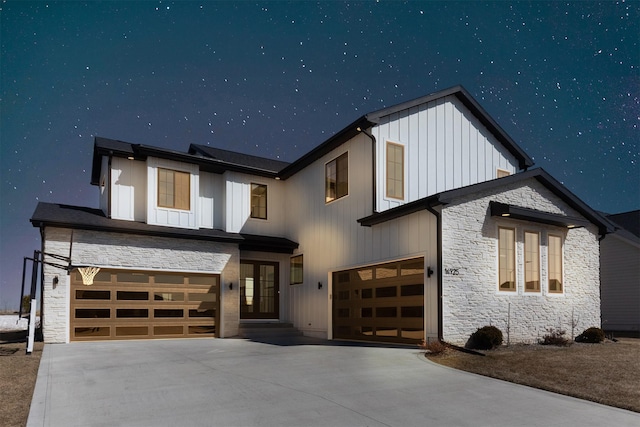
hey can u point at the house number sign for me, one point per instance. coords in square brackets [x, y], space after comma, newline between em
[452, 271]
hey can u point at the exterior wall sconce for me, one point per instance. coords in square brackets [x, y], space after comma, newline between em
[55, 281]
[429, 272]
[319, 285]
[231, 286]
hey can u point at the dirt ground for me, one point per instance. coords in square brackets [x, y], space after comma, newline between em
[18, 372]
[606, 373]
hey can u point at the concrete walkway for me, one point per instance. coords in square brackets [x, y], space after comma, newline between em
[232, 382]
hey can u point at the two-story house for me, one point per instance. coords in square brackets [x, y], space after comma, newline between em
[418, 221]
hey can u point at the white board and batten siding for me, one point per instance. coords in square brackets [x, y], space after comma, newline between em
[331, 240]
[237, 205]
[157, 215]
[210, 200]
[446, 147]
[128, 189]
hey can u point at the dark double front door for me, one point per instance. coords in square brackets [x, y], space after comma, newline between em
[259, 293]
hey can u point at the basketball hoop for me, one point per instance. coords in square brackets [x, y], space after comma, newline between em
[88, 273]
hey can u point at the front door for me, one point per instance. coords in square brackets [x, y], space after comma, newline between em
[259, 294]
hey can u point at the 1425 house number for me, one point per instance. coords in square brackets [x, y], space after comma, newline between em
[452, 271]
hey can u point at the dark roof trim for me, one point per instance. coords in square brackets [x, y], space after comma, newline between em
[110, 147]
[81, 218]
[524, 161]
[330, 144]
[604, 225]
[370, 119]
[516, 212]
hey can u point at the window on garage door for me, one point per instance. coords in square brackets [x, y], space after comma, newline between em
[383, 302]
[140, 305]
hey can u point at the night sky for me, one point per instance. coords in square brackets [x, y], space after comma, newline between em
[277, 78]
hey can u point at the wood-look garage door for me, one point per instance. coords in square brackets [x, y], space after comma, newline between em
[380, 303]
[140, 305]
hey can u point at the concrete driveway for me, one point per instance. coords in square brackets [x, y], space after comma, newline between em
[232, 382]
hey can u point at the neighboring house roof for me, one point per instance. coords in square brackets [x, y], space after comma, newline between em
[82, 218]
[604, 225]
[368, 120]
[627, 225]
[208, 159]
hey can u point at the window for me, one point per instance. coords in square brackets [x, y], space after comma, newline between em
[501, 173]
[174, 189]
[296, 276]
[395, 170]
[258, 201]
[506, 259]
[555, 264]
[531, 262]
[337, 178]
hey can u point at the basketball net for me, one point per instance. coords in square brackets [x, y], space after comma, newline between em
[88, 273]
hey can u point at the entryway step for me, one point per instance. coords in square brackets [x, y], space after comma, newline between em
[261, 330]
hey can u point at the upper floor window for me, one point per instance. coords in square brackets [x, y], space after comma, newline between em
[531, 262]
[258, 201]
[506, 259]
[174, 189]
[395, 170]
[555, 263]
[337, 178]
[296, 276]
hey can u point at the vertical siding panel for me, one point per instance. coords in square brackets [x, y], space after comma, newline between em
[423, 156]
[465, 157]
[473, 153]
[432, 149]
[458, 158]
[412, 157]
[449, 154]
[440, 146]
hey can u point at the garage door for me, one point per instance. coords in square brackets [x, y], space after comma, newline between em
[140, 305]
[380, 303]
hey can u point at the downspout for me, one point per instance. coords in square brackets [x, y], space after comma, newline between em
[439, 267]
[108, 184]
[373, 168]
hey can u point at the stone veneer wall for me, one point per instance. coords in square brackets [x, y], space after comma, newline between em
[127, 251]
[470, 268]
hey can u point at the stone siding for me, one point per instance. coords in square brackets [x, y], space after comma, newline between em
[126, 251]
[471, 298]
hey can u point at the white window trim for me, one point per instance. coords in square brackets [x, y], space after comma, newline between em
[324, 179]
[516, 254]
[524, 269]
[562, 268]
[251, 218]
[404, 172]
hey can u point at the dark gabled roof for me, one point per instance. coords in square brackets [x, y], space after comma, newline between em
[604, 225]
[330, 144]
[524, 161]
[217, 164]
[629, 221]
[370, 119]
[82, 218]
[235, 158]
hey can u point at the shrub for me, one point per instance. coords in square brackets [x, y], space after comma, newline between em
[485, 338]
[555, 337]
[591, 335]
[433, 347]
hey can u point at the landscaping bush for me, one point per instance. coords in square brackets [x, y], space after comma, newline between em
[591, 335]
[485, 338]
[555, 337]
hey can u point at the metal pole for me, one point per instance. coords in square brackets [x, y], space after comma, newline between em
[24, 271]
[34, 303]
